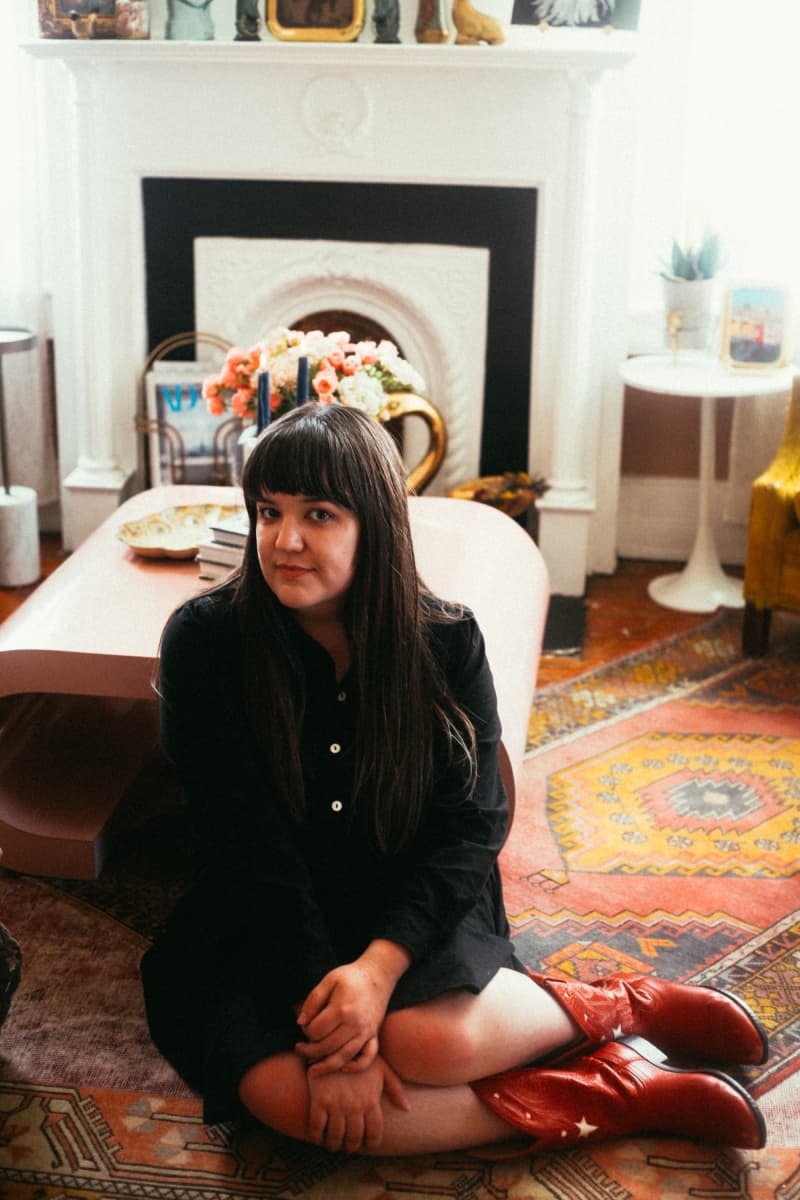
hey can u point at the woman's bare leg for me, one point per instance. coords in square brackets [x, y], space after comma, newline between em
[275, 1091]
[458, 1036]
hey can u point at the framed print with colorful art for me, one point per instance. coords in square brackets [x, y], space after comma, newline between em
[755, 326]
[183, 436]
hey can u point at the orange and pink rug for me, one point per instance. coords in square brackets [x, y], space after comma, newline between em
[658, 830]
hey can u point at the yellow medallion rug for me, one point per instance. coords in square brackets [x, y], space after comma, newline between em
[657, 831]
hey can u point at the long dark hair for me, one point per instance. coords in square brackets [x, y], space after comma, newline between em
[404, 705]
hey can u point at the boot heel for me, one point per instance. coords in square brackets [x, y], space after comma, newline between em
[658, 1058]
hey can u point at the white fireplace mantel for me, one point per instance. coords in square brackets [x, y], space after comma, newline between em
[547, 110]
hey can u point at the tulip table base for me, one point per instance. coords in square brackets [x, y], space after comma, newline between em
[702, 586]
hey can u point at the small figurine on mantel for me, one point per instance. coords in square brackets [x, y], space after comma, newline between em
[386, 17]
[432, 25]
[473, 27]
[189, 21]
[82, 23]
[248, 21]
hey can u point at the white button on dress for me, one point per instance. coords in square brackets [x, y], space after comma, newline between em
[337, 806]
[335, 748]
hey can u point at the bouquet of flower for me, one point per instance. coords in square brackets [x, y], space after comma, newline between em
[339, 369]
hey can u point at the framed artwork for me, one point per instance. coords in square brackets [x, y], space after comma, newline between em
[90, 18]
[315, 20]
[755, 326]
[583, 14]
[184, 440]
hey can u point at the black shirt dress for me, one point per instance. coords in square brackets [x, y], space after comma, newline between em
[277, 904]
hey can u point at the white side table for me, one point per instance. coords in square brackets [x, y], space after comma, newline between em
[702, 586]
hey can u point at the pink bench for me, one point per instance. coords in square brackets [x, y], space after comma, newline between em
[78, 716]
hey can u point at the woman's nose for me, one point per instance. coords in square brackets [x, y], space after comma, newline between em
[289, 536]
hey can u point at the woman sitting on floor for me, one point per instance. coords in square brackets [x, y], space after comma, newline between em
[341, 966]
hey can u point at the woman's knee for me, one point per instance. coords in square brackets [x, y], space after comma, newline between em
[275, 1091]
[428, 1045]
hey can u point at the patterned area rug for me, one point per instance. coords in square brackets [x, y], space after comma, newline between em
[658, 830]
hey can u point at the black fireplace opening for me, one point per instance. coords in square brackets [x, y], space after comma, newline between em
[499, 219]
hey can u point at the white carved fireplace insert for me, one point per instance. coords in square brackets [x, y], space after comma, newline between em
[550, 111]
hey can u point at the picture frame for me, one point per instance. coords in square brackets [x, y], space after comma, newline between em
[185, 441]
[316, 20]
[755, 326]
[96, 19]
[577, 14]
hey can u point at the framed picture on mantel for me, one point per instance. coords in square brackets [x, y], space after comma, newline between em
[577, 14]
[315, 20]
[77, 18]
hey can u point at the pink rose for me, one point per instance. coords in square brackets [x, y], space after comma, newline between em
[334, 359]
[240, 401]
[325, 382]
[351, 364]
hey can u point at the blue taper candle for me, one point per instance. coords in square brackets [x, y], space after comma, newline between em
[302, 379]
[263, 409]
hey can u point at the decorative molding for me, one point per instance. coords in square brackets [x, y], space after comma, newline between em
[336, 113]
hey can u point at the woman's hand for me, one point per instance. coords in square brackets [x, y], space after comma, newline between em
[341, 1016]
[345, 1109]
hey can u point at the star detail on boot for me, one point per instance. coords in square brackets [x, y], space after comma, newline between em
[617, 1032]
[584, 1128]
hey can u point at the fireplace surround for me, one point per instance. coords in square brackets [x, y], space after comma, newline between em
[547, 119]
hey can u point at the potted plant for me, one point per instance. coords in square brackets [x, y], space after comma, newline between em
[689, 286]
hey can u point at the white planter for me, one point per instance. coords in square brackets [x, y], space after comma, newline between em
[689, 305]
[19, 537]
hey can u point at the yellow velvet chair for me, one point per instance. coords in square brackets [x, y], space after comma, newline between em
[772, 567]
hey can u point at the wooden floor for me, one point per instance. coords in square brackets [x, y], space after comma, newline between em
[620, 616]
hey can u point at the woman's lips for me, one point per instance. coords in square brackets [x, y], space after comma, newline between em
[289, 571]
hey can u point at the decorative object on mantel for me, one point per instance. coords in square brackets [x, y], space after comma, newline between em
[189, 21]
[19, 523]
[77, 19]
[473, 27]
[248, 21]
[689, 287]
[132, 18]
[593, 14]
[288, 365]
[432, 26]
[300, 21]
[512, 492]
[755, 326]
[386, 19]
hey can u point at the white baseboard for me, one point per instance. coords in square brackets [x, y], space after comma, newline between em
[658, 518]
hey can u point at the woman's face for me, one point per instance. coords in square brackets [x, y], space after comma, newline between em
[307, 548]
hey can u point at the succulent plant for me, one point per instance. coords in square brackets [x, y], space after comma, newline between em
[694, 262]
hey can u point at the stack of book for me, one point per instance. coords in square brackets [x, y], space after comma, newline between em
[222, 551]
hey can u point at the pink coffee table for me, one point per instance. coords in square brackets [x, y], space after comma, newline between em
[78, 716]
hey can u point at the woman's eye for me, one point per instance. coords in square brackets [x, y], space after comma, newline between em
[266, 513]
[321, 515]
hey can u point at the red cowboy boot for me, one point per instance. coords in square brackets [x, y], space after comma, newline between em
[700, 1024]
[616, 1091]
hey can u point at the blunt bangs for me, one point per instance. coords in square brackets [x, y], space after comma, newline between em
[306, 453]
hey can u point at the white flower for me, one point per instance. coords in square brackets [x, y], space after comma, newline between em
[361, 391]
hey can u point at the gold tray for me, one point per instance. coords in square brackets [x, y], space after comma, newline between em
[512, 493]
[173, 532]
